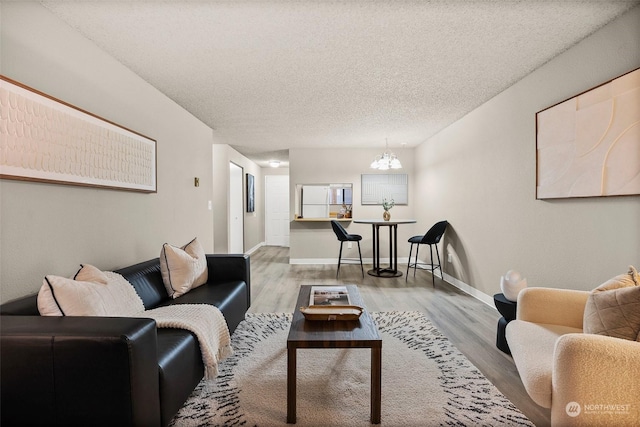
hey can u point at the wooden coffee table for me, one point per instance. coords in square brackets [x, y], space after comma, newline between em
[361, 333]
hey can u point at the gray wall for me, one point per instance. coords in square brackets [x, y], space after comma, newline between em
[480, 174]
[315, 242]
[50, 229]
[253, 221]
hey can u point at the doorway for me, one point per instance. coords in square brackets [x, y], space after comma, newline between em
[276, 216]
[236, 209]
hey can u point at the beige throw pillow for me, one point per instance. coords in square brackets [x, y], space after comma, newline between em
[89, 273]
[100, 294]
[634, 275]
[183, 268]
[613, 308]
[47, 305]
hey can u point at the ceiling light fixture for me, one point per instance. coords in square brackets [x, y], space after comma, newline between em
[274, 163]
[387, 160]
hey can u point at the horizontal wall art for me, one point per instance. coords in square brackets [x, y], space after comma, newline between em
[589, 145]
[377, 187]
[47, 140]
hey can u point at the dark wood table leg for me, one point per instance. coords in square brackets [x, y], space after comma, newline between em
[376, 384]
[376, 238]
[373, 242]
[395, 248]
[291, 385]
[391, 249]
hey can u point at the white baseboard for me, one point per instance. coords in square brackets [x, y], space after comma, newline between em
[467, 289]
[255, 248]
[313, 261]
[481, 296]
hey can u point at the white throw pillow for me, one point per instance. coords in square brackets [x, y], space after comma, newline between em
[60, 296]
[183, 268]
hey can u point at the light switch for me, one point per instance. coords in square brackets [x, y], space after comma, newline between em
[210, 205]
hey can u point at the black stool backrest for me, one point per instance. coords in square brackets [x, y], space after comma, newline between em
[341, 233]
[435, 233]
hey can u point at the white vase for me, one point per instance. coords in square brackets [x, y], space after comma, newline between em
[511, 284]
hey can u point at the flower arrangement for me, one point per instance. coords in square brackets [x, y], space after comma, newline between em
[388, 204]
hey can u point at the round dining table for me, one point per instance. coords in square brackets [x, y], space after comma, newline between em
[392, 270]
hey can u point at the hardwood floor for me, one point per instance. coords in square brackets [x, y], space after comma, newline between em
[468, 323]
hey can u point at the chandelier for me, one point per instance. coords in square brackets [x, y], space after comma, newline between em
[387, 160]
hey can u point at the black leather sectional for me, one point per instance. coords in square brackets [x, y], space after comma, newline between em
[109, 371]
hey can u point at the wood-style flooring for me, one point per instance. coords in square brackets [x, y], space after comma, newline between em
[468, 323]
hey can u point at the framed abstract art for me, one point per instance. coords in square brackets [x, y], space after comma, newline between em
[44, 139]
[251, 193]
[589, 145]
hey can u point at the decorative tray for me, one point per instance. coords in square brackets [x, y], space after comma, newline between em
[332, 312]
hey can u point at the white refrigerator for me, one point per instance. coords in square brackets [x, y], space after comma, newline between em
[315, 201]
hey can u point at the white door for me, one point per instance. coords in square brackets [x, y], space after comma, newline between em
[236, 210]
[276, 220]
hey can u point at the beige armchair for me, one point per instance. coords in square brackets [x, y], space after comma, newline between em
[586, 379]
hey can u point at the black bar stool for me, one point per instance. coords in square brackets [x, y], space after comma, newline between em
[343, 236]
[431, 238]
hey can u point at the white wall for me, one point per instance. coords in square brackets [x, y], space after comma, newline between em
[315, 241]
[50, 229]
[480, 174]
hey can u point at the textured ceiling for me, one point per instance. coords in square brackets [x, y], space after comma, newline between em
[274, 75]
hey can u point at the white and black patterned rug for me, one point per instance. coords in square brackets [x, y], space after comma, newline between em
[426, 381]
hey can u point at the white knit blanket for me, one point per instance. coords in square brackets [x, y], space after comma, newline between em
[206, 322]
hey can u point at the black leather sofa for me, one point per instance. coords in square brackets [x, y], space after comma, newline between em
[109, 371]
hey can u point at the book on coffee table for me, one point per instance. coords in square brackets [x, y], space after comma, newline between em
[329, 295]
[330, 303]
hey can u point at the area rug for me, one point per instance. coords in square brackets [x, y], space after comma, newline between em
[426, 381]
